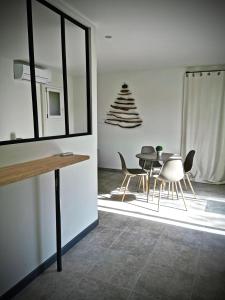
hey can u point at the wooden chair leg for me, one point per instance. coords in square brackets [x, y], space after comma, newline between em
[148, 185]
[164, 186]
[182, 194]
[143, 183]
[123, 182]
[176, 189]
[185, 183]
[172, 189]
[154, 187]
[168, 195]
[191, 187]
[139, 184]
[160, 192]
[128, 181]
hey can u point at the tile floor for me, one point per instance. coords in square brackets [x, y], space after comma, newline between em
[136, 259]
[206, 211]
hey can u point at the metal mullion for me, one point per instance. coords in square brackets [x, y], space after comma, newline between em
[32, 68]
[65, 88]
[88, 79]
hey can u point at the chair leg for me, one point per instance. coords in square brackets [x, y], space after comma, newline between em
[128, 181]
[189, 182]
[143, 183]
[172, 189]
[123, 182]
[154, 187]
[182, 194]
[176, 189]
[185, 184]
[160, 191]
[148, 185]
[139, 184]
[164, 186]
[168, 195]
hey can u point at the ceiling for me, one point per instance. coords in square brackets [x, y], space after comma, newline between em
[156, 33]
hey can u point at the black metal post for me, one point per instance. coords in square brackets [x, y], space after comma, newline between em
[65, 88]
[58, 221]
[32, 68]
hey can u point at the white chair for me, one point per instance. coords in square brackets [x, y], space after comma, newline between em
[172, 172]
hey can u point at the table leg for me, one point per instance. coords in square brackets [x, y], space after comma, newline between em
[149, 176]
[58, 221]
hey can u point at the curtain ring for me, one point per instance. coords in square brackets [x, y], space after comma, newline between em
[218, 73]
[209, 74]
[193, 74]
[200, 73]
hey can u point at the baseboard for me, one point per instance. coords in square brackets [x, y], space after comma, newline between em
[110, 170]
[46, 264]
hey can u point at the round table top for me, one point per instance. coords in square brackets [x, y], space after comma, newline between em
[153, 156]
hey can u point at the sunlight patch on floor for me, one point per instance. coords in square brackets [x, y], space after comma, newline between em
[171, 211]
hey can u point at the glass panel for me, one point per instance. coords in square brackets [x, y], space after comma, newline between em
[76, 77]
[48, 62]
[54, 104]
[16, 113]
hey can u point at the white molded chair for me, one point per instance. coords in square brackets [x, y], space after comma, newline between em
[172, 172]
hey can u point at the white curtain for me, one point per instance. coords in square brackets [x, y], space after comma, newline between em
[204, 124]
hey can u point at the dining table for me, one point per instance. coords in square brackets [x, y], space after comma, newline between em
[153, 157]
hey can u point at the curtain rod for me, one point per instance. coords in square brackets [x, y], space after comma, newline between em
[205, 71]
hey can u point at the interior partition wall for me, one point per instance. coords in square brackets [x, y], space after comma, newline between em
[73, 50]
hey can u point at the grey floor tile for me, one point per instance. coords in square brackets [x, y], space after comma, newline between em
[51, 285]
[136, 243]
[136, 296]
[118, 268]
[212, 261]
[104, 237]
[164, 283]
[114, 221]
[183, 235]
[137, 225]
[83, 258]
[211, 241]
[215, 207]
[209, 287]
[92, 289]
[178, 256]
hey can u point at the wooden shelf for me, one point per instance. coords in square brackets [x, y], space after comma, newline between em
[17, 172]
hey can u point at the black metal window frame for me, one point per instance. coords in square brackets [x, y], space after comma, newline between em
[63, 17]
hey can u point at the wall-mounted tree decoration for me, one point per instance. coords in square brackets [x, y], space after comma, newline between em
[123, 111]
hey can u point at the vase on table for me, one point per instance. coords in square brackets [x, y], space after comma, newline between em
[159, 154]
[159, 150]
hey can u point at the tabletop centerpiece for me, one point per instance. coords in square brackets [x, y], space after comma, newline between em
[159, 150]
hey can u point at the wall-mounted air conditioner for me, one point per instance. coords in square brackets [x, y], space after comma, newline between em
[22, 71]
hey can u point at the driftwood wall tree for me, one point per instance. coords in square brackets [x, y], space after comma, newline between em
[123, 111]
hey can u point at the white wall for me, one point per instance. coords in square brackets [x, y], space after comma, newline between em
[158, 97]
[16, 114]
[27, 208]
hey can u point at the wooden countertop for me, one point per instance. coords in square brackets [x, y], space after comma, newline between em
[21, 171]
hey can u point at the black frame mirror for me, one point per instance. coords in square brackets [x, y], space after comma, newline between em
[32, 63]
